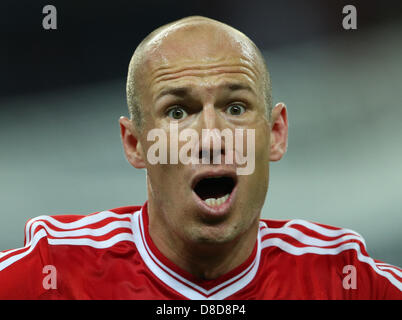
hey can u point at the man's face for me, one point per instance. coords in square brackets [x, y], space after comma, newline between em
[204, 79]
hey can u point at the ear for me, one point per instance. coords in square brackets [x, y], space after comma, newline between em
[279, 132]
[132, 146]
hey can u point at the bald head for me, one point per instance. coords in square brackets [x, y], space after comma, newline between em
[189, 39]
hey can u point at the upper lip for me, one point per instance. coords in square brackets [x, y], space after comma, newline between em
[213, 173]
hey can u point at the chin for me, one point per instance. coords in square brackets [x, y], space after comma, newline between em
[218, 233]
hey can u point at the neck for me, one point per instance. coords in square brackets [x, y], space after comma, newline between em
[205, 260]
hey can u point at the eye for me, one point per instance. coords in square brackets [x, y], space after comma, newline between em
[235, 110]
[177, 113]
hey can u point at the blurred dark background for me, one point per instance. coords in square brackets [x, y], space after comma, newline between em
[62, 92]
[95, 39]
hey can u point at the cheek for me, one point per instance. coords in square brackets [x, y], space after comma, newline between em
[258, 181]
[262, 148]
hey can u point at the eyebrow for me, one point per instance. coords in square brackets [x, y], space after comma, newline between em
[174, 91]
[185, 91]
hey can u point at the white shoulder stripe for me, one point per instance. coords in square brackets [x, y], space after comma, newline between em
[93, 243]
[9, 252]
[394, 270]
[86, 220]
[4, 264]
[297, 251]
[277, 242]
[308, 240]
[383, 264]
[63, 237]
[82, 232]
[324, 231]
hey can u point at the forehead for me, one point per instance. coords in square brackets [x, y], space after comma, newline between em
[199, 50]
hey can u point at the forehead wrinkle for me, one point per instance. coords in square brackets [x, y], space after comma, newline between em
[165, 85]
[173, 73]
[184, 90]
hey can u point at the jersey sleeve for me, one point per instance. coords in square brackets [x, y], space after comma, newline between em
[379, 280]
[332, 263]
[26, 273]
[365, 278]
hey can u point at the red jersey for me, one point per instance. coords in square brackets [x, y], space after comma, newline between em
[110, 255]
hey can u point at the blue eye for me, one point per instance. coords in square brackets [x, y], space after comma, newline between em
[177, 113]
[235, 110]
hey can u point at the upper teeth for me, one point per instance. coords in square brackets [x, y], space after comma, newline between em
[212, 202]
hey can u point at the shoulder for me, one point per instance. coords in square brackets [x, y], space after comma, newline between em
[101, 229]
[70, 242]
[312, 241]
[299, 237]
[98, 230]
[324, 248]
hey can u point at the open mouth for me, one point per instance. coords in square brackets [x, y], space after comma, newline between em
[215, 191]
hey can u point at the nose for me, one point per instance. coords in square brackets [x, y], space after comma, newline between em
[212, 148]
[209, 117]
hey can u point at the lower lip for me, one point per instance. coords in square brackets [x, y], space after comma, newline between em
[216, 211]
